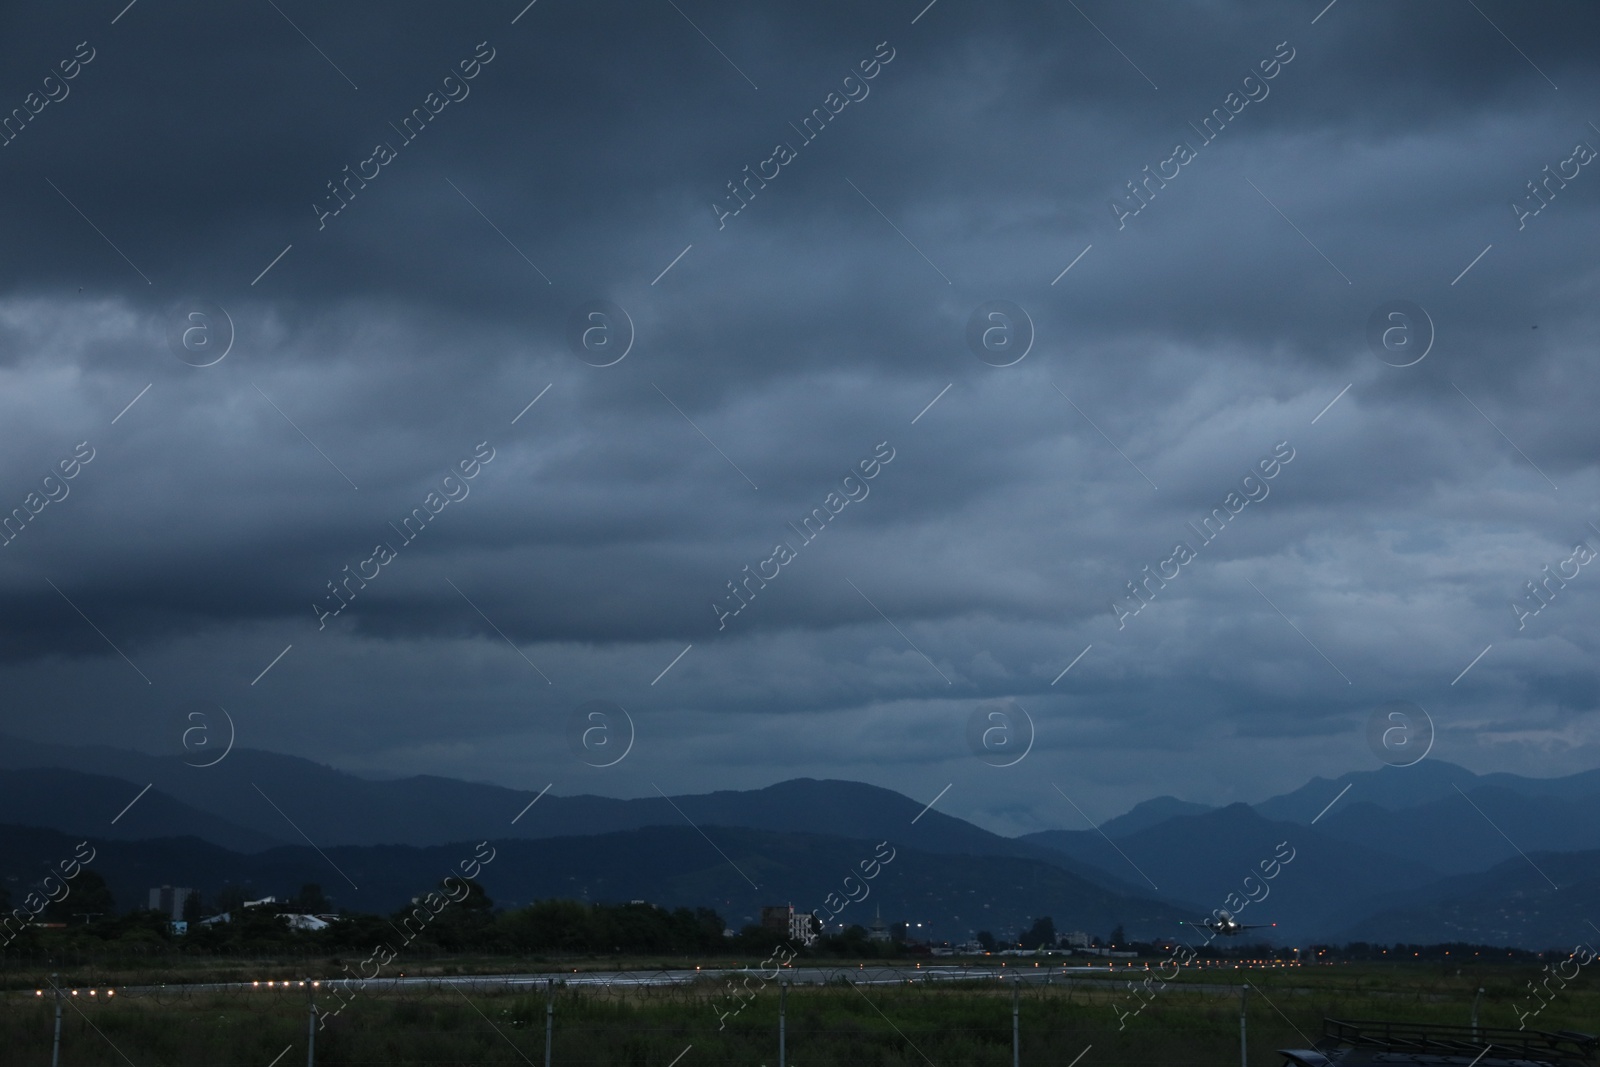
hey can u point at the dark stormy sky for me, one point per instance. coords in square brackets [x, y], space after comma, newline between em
[583, 169]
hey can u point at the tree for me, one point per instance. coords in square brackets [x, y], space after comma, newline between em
[1041, 935]
[310, 900]
[87, 895]
[1119, 937]
[230, 899]
[194, 907]
[460, 923]
[986, 939]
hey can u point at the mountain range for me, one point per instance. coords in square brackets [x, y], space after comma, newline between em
[1426, 853]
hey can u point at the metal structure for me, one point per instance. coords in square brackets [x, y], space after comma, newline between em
[55, 1048]
[1244, 1046]
[1345, 1043]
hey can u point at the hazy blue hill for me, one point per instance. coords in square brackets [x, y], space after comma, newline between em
[1397, 788]
[302, 787]
[336, 808]
[1453, 838]
[1380, 850]
[130, 868]
[959, 894]
[1572, 786]
[854, 809]
[1510, 904]
[85, 804]
[1392, 788]
[1150, 812]
[1202, 858]
[670, 866]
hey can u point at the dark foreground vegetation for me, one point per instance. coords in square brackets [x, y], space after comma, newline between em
[134, 992]
[1194, 1020]
[466, 921]
[88, 926]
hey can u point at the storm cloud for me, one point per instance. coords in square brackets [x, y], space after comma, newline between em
[421, 235]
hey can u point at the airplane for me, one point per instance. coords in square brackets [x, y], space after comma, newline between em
[1225, 924]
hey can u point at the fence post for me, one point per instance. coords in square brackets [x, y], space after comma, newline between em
[549, 1016]
[783, 1018]
[1244, 994]
[1016, 1025]
[311, 1027]
[1475, 1013]
[55, 1049]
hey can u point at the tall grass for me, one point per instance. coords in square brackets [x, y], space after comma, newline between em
[1195, 1020]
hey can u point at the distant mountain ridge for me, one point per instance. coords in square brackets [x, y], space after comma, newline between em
[1149, 813]
[1396, 788]
[240, 807]
[337, 808]
[1375, 850]
[1202, 859]
[1509, 904]
[1460, 834]
[85, 804]
[1446, 817]
[668, 866]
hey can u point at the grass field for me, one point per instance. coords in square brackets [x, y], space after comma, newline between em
[1191, 1020]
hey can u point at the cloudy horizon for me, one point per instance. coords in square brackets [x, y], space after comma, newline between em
[527, 335]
